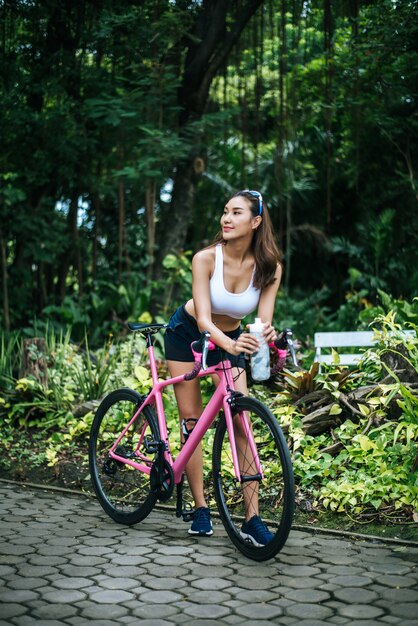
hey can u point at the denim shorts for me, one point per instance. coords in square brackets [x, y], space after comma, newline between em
[182, 330]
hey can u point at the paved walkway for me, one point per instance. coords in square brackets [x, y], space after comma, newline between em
[63, 561]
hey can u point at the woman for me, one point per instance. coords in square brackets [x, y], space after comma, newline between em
[239, 273]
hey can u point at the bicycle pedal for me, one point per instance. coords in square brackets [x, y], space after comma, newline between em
[187, 515]
[151, 446]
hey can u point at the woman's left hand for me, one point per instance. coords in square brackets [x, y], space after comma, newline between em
[269, 333]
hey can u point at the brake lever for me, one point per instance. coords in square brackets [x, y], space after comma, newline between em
[205, 349]
[291, 347]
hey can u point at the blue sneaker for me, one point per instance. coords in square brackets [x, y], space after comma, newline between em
[256, 532]
[202, 525]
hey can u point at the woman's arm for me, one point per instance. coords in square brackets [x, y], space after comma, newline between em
[266, 305]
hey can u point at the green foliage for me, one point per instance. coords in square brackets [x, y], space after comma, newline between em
[372, 473]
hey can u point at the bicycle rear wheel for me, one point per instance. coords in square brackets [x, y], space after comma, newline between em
[123, 491]
[272, 494]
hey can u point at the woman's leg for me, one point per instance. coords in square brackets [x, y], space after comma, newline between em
[189, 402]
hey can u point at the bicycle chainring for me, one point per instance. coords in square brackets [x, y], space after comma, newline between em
[163, 487]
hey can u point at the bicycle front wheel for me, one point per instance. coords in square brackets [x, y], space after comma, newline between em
[123, 491]
[271, 492]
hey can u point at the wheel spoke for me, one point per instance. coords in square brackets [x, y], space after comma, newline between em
[123, 491]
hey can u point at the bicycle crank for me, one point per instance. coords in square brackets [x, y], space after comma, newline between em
[162, 480]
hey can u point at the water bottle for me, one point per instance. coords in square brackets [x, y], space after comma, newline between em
[260, 360]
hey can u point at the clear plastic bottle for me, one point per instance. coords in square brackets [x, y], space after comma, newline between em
[260, 360]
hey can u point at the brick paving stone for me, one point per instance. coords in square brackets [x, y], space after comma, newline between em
[344, 570]
[397, 581]
[256, 611]
[368, 622]
[337, 559]
[405, 610]
[130, 560]
[155, 622]
[211, 583]
[150, 611]
[296, 583]
[71, 583]
[355, 595]
[15, 550]
[10, 609]
[111, 596]
[311, 611]
[96, 551]
[310, 622]
[17, 595]
[19, 582]
[171, 571]
[181, 550]
[298, 559]
[86, 560]
[63, 596]
[254, 583]
[350, 581]
[77, 571]
[126, 584]
[212, 571]
[55, 611]
[307, 595]
[212, 597]
[400, 595]
[392, 568]
[103, 611]
[160, 597]
[211, 611]
[165, 583]
[206, 559]
[259, 595]
[361, 611]
[301, 571]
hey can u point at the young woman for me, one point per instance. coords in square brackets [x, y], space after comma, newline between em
[239, 273]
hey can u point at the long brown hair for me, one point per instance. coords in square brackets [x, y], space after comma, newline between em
[266, 252]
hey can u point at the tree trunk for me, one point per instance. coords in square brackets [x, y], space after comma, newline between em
[328, 106]
[150, 193]
[68, 255]
[208, 46]
[4, 280]
[121, 228]
[34, 360]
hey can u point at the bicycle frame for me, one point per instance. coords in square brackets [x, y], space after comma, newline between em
[221, 398]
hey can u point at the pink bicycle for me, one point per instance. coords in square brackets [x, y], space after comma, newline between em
[132, 465]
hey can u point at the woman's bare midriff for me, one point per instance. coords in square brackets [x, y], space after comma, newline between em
[225, 323]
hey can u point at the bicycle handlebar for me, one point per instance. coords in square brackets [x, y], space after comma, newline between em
[282, 344]
[201, 346]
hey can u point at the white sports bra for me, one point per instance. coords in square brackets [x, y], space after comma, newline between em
[223, 302]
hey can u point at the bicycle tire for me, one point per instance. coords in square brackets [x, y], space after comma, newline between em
[274, 493]
[123, 491]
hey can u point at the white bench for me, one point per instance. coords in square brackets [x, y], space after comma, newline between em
[350, 339]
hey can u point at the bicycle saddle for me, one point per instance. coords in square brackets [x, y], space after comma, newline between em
[145, 328]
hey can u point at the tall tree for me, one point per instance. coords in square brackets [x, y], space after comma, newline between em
[216, 30]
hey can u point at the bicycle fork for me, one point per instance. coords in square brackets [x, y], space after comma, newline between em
[230, 409]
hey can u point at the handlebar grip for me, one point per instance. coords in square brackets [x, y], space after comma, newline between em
[196, 369]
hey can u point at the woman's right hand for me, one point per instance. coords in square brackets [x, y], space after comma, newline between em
[246, 343]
